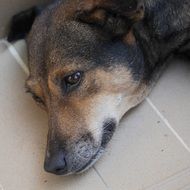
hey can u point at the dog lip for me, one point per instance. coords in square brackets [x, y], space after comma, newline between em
[61, 172]
[90, 162]
[109, 129]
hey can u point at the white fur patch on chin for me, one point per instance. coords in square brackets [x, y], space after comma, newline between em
[99, 154]
[103, 108]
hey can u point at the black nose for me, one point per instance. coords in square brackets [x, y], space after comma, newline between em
[56, 163]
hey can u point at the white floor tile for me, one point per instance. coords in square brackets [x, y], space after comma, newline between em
[185, 188]
[171, 96]
[178, 181]
[143, 152]
[20, 47]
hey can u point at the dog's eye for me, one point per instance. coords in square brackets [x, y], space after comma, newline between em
[37, 99]
[70, 82]
[73, 79]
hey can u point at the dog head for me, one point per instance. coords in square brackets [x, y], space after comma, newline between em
[86, 72]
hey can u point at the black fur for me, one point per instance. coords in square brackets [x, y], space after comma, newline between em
[22, 23]
[164, 30]
[108, 131]
[157, 35]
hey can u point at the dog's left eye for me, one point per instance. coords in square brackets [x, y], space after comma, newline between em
[37, 99]
[72, 81]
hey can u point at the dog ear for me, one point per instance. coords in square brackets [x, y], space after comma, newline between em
[114, 16]
[21, 23]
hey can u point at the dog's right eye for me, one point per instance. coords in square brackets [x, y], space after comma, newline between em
[71, 81]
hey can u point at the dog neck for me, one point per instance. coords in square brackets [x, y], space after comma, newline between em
[165, 27]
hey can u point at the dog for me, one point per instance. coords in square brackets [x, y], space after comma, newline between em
[90, 62]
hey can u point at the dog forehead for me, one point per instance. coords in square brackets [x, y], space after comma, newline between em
[72, 43]
[73, 40]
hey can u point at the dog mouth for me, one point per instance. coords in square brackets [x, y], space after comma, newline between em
[91, 162]
[78, 157]
[108, 131]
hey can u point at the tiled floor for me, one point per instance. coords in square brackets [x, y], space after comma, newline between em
[150, 150]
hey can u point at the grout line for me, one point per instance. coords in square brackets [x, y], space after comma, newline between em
[187, 187]
[1, 187]
[102, 179]
[15, 54]
[168, 124]
[172, 180]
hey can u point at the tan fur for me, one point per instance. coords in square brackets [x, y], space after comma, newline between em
[129, 38]
[114, 89]
[35, 87]
[90, 5]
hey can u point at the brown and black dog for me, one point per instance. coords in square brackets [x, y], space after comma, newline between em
[93, 60]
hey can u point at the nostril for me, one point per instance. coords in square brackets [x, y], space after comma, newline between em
[58, 170]
[56, 164]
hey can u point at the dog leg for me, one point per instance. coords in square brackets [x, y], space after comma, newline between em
[22, 23]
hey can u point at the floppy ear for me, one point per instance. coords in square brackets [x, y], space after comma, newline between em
[22, 23]
[115, 16]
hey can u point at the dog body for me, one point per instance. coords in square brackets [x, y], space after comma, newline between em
[91, 61]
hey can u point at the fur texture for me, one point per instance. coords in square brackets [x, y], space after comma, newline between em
[118, 48]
